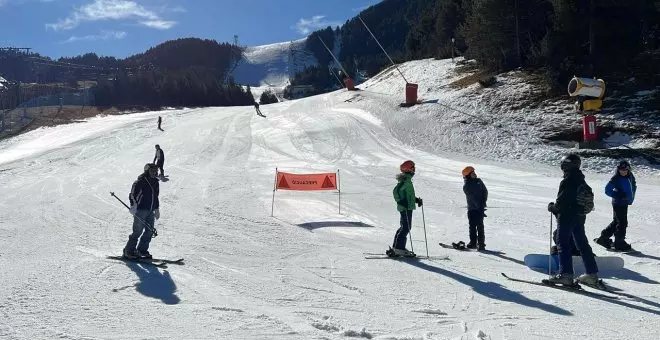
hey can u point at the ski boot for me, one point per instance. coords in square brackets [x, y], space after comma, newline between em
[144, 254]
[590, 280]
[395, 252]
[481, 247]
[561, 279]
[130, 254]
[460, 245]
[622, 245]
[605, 242]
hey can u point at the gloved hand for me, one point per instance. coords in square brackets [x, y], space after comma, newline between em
[552, 208]
[419, 201]
[156, 214]
[133, 209]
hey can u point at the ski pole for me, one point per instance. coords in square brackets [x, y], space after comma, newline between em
[425, 239]
[550, 253]
[150, 227]
[412, 249]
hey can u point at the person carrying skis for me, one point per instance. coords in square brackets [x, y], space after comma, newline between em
[145, 210]
[404, 196]
[159, 159]
[574, 201]
[476, 195]
[622, 188]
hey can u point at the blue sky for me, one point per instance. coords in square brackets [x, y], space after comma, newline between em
[124, 27]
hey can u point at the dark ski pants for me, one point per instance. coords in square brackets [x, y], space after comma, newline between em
[570, 233]
[619, 224]
[402, 233]
[476, 221]
[139, 229]
[160, 167]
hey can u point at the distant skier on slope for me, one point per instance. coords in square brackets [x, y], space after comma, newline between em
[159, 160]
[256, 107]
[145, 210]
[476, 195]
[574, 201]
[404, 196]
[160, 121]
[622, 188]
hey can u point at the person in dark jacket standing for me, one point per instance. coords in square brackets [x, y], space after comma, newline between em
[159, 160]
[160, 120]
[404, 196]
[622, 188]
[477, 196]
[570, 213]
[145, 210]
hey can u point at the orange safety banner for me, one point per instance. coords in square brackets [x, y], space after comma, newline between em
[324, 181]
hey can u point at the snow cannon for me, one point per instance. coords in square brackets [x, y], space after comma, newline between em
[411, 94]
[585, 87]
[350, 85]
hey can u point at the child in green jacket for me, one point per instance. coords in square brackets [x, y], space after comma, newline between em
[404, 195]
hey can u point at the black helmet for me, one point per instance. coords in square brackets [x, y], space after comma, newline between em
[150, 166]
[623, 165]
[570, 162]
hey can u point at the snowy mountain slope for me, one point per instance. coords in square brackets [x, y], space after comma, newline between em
[273, 64]
[494, 123]
[300, 274]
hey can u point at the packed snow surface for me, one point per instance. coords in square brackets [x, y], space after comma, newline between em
[301, 274]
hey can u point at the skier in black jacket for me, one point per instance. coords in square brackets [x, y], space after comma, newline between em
[159, 160]
[569, 209]
[476, 195]
[145, 209]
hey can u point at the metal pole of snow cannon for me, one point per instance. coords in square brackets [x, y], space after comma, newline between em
[333, 56]
[425, 239]
[272, 205]
[550, 253]
[150, 227]
[339, 189]
[381, 47]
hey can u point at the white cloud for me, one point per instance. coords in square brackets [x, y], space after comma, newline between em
[111, 10]
[158, 24]
[306, 26]
[104, 35]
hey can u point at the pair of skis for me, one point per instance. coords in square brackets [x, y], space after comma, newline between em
[160, 263]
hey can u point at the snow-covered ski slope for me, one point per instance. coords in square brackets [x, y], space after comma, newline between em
[300, 274]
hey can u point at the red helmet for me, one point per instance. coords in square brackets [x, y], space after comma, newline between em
[468, 170]
[407, 166]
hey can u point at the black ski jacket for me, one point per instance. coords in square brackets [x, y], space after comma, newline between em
[144, 193]
[475, 193]
[159, 160]
[566, 205]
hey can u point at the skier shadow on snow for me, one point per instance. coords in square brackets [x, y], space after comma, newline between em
[640, 255]
[326, 224]
[492, 290]
[154, 284]
[502, 256]
[496, 291]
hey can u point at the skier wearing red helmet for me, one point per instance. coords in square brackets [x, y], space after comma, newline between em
[404, 195]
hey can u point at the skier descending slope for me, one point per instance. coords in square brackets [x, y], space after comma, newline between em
[144, 208]
[574, 201]
[404, 195]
